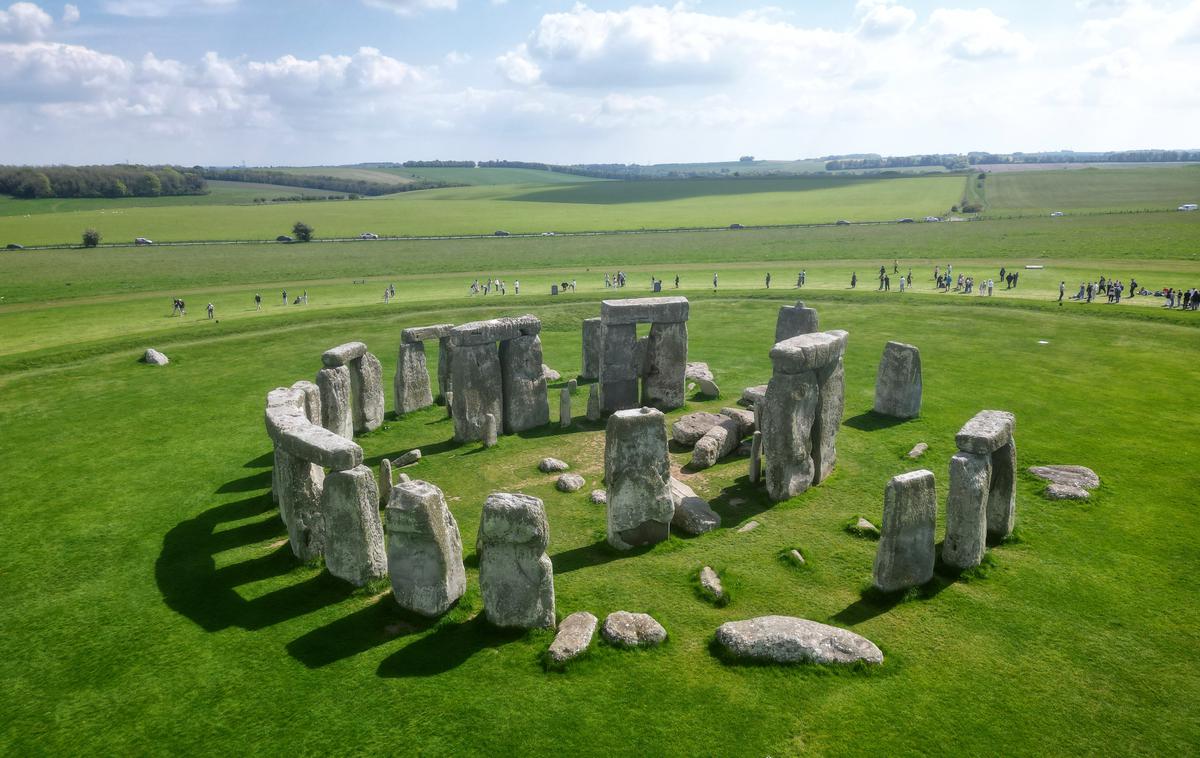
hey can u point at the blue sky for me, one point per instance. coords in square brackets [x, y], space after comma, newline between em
[318, 81]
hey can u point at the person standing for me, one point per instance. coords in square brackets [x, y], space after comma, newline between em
[714, 281]
[516, 286]
[304, 297]
[210, 311]
[285, 297]
[853, 280]
[1062, 289]
[257, 301]
[677, 281]
[768, 280]
[887, 283]
[799, 280]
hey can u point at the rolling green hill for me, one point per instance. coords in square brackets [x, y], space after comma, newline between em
[1091, 189]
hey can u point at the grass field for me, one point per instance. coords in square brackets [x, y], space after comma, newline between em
[582, 206]
[1091, 189]
[219, 193]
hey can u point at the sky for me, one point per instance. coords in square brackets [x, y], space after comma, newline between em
[309, 82]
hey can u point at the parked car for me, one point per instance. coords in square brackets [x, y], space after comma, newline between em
[843, 222]
[904, 221]
[13, 246]
[1188, 207]
[368, 236]
[932, 219]
[547, 234]
[143, 241]
[1056, 214]
[500, 233]
[284, 238]
[736, 226]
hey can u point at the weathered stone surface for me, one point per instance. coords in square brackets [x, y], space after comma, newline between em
[745, 419]
[918, 450]
[516, 577]
[444, 370]
[354, 548]
[491, 432]
[312, 399]
[400, 478]
[665, 362]
[864, 528]
[637, 471]
[334, 384]
[966, 510]
[1079, 477]
[591, 348]
[564, 408]
[831, 404]
[718, 442]
[787, 417]
[154, 358]
[599, 497]
[526, 405]
[752, 396]
[749, 526]
[711, 583]
[593, 402]
[495, 330]
[643, 310]
[898, 381]
[787, 639]
[625, 629]
[756, 458]
[574, 636]
[409, 458]
[550, 374]
[702, 375]
[366, 379]
[552, 465]
[572, 385]
[619, 368]
[385, 480]
[287, 423]
[1056, 491]
[1002, 493]
[410, 387]
[692, 515]
[794, 320]
[985, 433]
[300, 485]
[797, 557]
[424, 549]
[905, 556]
[569, 483]
[450, 404]
[422, 333]
[343, 354]
[807, 352]
[478, 389]
[688, 430]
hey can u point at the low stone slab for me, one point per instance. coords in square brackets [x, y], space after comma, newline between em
[918, 450]
[749, 526]
[409, 458]
[569, 483]
[574, 635]
[745, 419]
[688, 430]
[1079, 477]
[599, 497]
[422, 333]
[710, 582]
[752, 396]
[985, 433]
[154, 358]
[863, 528]
[552, 465]
[703, 377]
[625, 629]
[643, 310]
[1055, 491]
[807, 352]
[718, 442]
[343, 354]
[787, 639]
[694, 516]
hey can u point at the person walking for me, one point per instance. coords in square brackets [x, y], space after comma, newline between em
[799, 280]
[768, 280]
[714, 281]
[677, 281]
[210, 311]
[853, 280]
[1062, 289]
[257, 301]
[803, 277]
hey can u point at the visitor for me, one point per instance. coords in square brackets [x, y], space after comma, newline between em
[853, 280]
[677, 281]
[516, 286]
[803, 277]
[902, 284]
[210, 311]
[1062, 289]
[887, 283]
[304, 297]
[257, 301]
[797, 281]
[285, 297]
[714, 281]
[768, 280]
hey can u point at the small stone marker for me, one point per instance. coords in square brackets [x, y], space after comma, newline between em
[905, 556]
[490, 433]
[749, 526]
[574, 636]
[409, 458]
[154, 358]
[864, 528]
[569, 483]
[711, 583]
[552, 465]
[516, 577]
[564, 408]
[918, 450]
[796, 557]
[624, 629]
[787, 639]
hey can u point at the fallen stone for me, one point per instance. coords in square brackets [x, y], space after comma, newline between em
[905, 556]
[154, 358]
[343, 354]
[749, 526]
[409, 458]
[552, 465]
[985, 433]
[688, 430]
[1056, 491]
[898, 381]
[718, 442]
[516, 577]
[599, 497]
[424, 549]
[918, 450]
[1080, 477]
[753, 395]
[786, 639]
[711, 583]
[625, 629]
[637, 470]
[694, 516]
[574, 636]
[745, 419]
[796, 557]
[703, 377]
[550, 374]
[354, 547]
[569, 483]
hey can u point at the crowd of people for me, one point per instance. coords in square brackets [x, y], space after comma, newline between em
[490, 286]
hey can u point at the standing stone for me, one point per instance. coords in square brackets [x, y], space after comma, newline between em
[1002, 494]
[312, 400]
[637, 471]
[526, 405]
[618, 372]
[794, 321]
[663, 385]
[385, 480]
[424, 549]
[591, 349]
[756, 458]
[478, 389]
[906, 551]
[516, 577]
[719, 441]
[564, 408]
[572, 385]
[789, 410]
[898, 383]
[449, 405]
[966, 510]
[831, 404]
[411, 385]
[300, 487]
[445, 362]
[334, 384]
[366, 381]
[354, 548]
[490, 433]
[593, 403]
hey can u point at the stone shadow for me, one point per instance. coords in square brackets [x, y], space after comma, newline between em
[871, 421]
[447, 647]
[595, 554]
[872, 602]
[366, 628]
[248, 483]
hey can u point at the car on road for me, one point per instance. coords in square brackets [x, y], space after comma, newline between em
[1188, 207]
[547, 234]
[500, 233]
[904, 221]
[1056, 214]
[284, 238]
[13, 246]
[932, 219]
[143, 241]
[736, 226]
[368, 236]
[843, 222]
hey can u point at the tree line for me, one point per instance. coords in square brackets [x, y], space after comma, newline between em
[316, 181]
[31, 182]
[957, 162]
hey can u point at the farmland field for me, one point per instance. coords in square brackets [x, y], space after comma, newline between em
[1092, 189]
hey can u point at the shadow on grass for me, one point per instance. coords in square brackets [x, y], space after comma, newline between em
[262, 461]
[356, 633]
[595, 554]
[447, 647]
[247, 483]
[873, 602]
[872, 421]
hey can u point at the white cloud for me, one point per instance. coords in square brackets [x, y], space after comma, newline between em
[412, 7]
[883, 18]
[975, 34]
[70, 14]
[516, 66]
[25, 21]
[165, 8]
[456, 58]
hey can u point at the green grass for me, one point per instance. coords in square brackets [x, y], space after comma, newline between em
[488, 177]
[1091, 189]
[219, 193]
[582, 206]
[151, 606]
